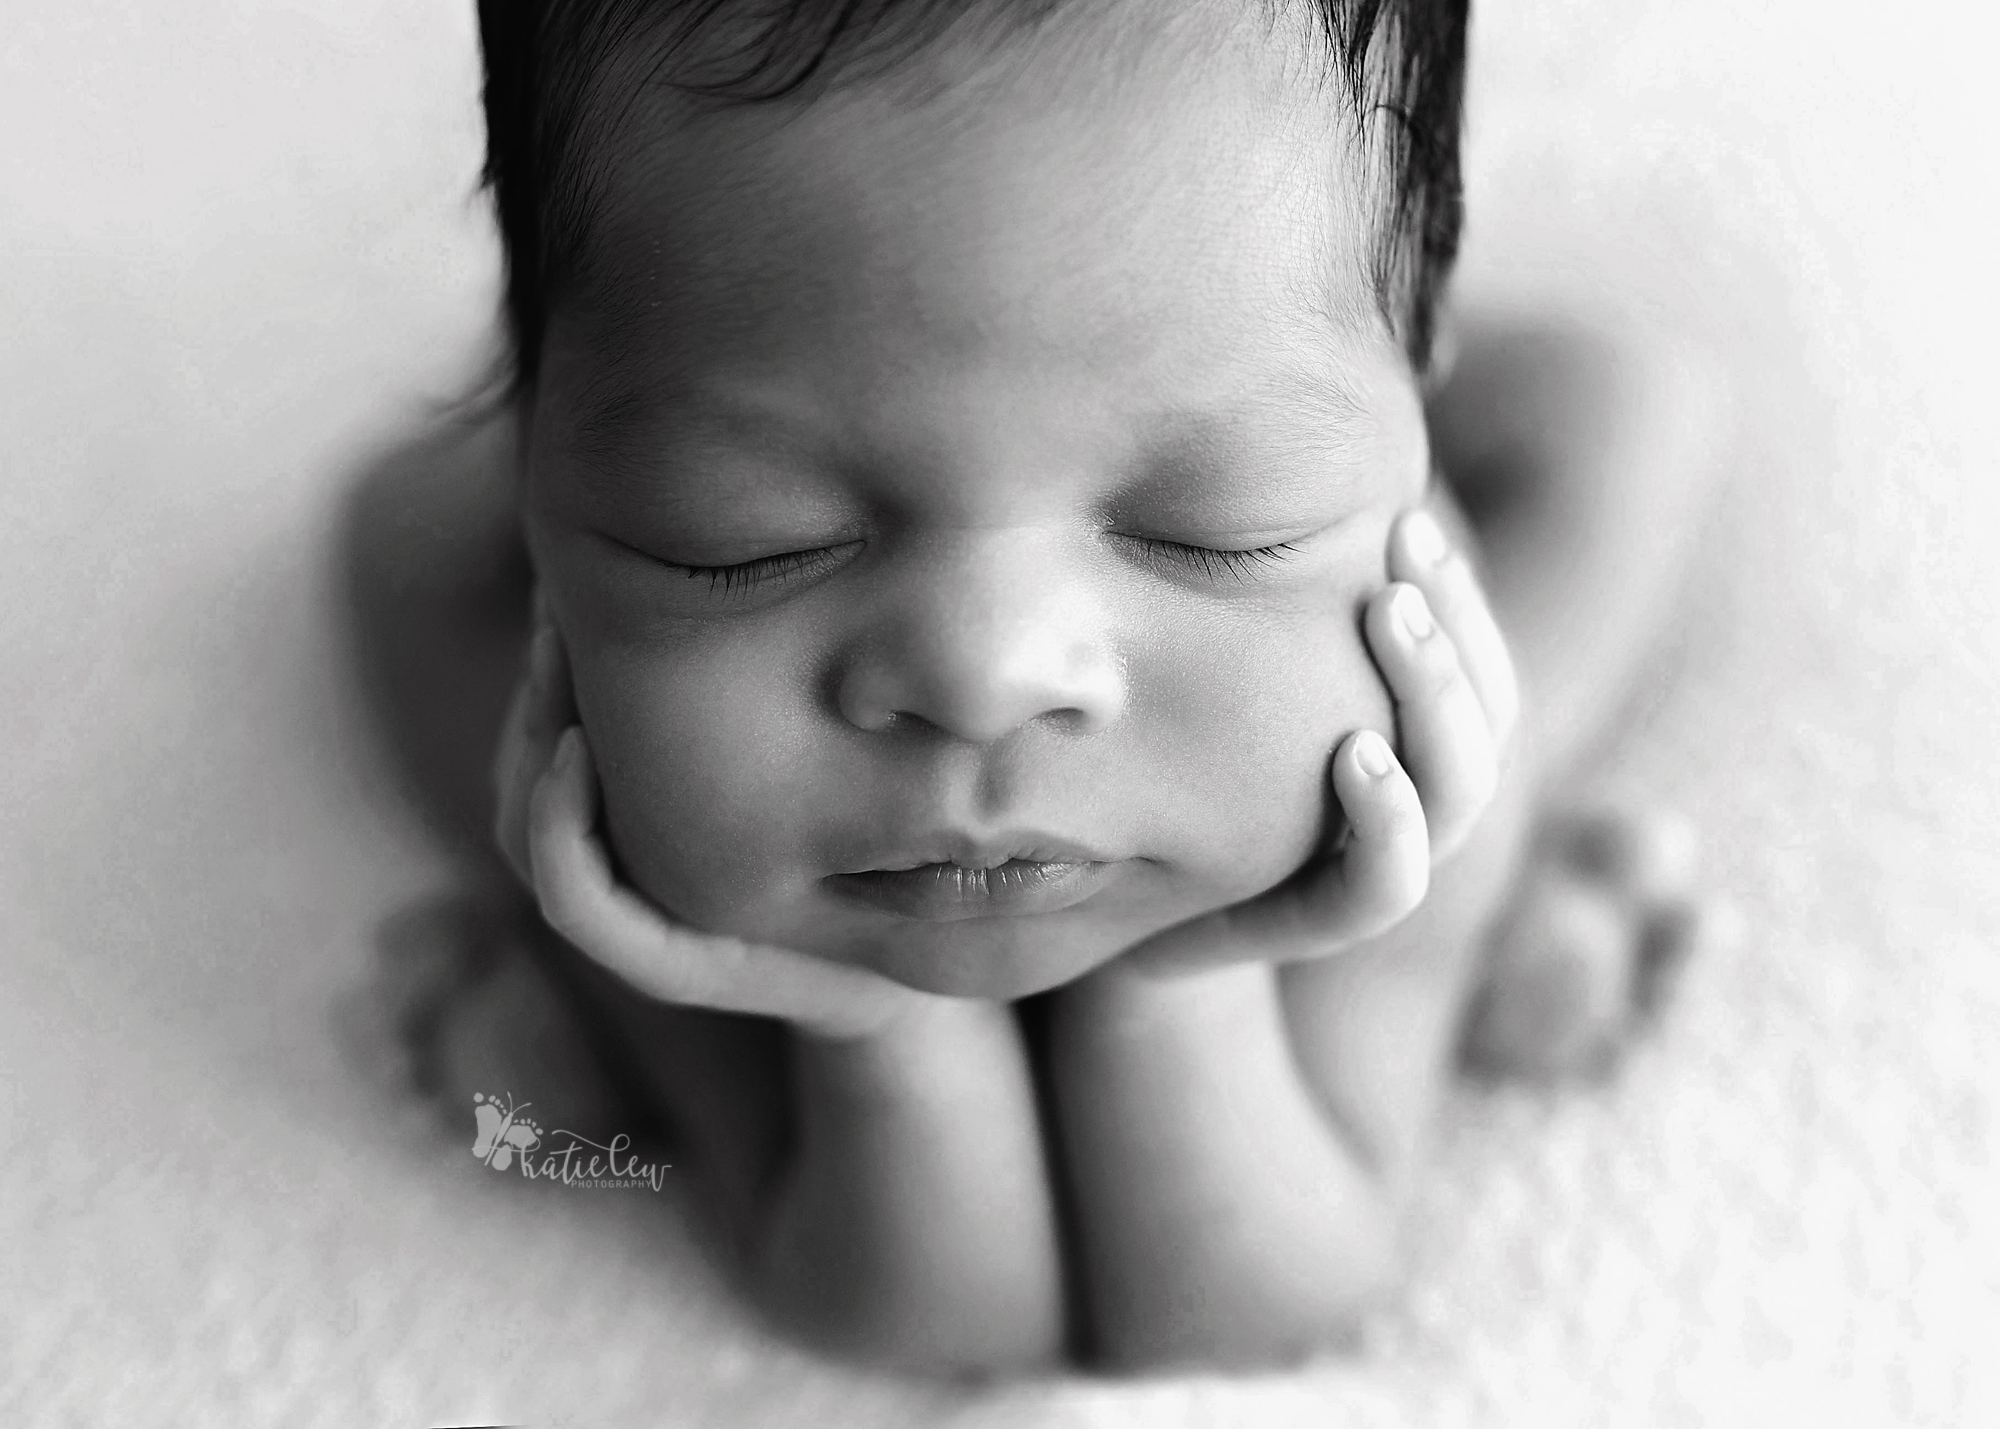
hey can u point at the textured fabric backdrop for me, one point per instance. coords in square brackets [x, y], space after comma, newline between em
[240, 254]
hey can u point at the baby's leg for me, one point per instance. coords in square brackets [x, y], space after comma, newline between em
[494, 1003]
[1586, 463]
[487, 1000]
[1587, 453]
[484, 997]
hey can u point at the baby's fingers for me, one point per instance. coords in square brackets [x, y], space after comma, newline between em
[1384, 871]
[582, 899]
[541, 709]
[1446, 732]
[1370, 885]
[1421, 553]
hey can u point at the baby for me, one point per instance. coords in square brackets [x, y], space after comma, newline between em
[975, 467]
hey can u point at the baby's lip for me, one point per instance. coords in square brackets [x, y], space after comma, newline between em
[988, 851]
[950, 892]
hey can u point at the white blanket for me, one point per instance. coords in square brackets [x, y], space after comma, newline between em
[239, 250]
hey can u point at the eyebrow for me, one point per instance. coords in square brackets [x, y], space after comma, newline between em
[607, 412]
[1335, 420]
[614, 405]
[614, 415]
[614, 401]
[599, 442]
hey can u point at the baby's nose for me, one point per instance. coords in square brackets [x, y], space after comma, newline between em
[984, 643]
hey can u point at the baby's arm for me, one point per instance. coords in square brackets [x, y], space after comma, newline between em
[1221, 1216]
[1236, 1174]
[916, 1223]
[913, 1220]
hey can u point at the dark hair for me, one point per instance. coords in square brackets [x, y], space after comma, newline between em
[1400, 61]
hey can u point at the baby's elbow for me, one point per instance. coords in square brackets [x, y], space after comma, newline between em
[1302, 1293]
[977, 1318]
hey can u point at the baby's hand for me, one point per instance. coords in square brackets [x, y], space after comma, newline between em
[1453, 684]
[547, 827]
[1448, 669]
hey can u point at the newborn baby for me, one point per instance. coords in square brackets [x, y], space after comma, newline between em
[975, 468]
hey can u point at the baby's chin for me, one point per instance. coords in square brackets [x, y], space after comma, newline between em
[998, 958]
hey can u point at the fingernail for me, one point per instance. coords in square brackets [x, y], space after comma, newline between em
[1371, 752]
[1423, 538]
[1413, 613]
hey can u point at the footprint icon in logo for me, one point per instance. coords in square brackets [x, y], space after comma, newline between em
[502, 1130]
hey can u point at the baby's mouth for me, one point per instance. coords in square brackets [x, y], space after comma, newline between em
[949, 892]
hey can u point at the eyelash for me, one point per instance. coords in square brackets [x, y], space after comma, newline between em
[1214, 562]
[1209, 560]
[748, 575]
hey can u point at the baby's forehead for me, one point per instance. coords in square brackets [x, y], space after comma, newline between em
[1209, 103]
[1142, 257]
[1126, 212]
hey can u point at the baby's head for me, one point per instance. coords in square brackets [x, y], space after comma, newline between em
[959, 437]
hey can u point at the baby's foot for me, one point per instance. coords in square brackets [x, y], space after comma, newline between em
[1583, 958]
[479, 1015]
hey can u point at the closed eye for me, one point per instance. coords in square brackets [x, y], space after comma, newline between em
[1213, 561]
[746, 576]
[741, 577]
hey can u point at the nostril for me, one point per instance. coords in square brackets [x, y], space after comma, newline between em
[907, 722]
[1073, 719]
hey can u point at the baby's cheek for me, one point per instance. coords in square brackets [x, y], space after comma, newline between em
[694, 787]
[1261, 756]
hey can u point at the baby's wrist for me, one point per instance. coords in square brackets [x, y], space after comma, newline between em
[913, 1051]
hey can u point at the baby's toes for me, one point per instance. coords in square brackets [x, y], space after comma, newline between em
[1649, 856]
[1651, 860]
[1667, 935]
[1558, 990]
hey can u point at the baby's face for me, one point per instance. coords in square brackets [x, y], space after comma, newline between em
[958, 509]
